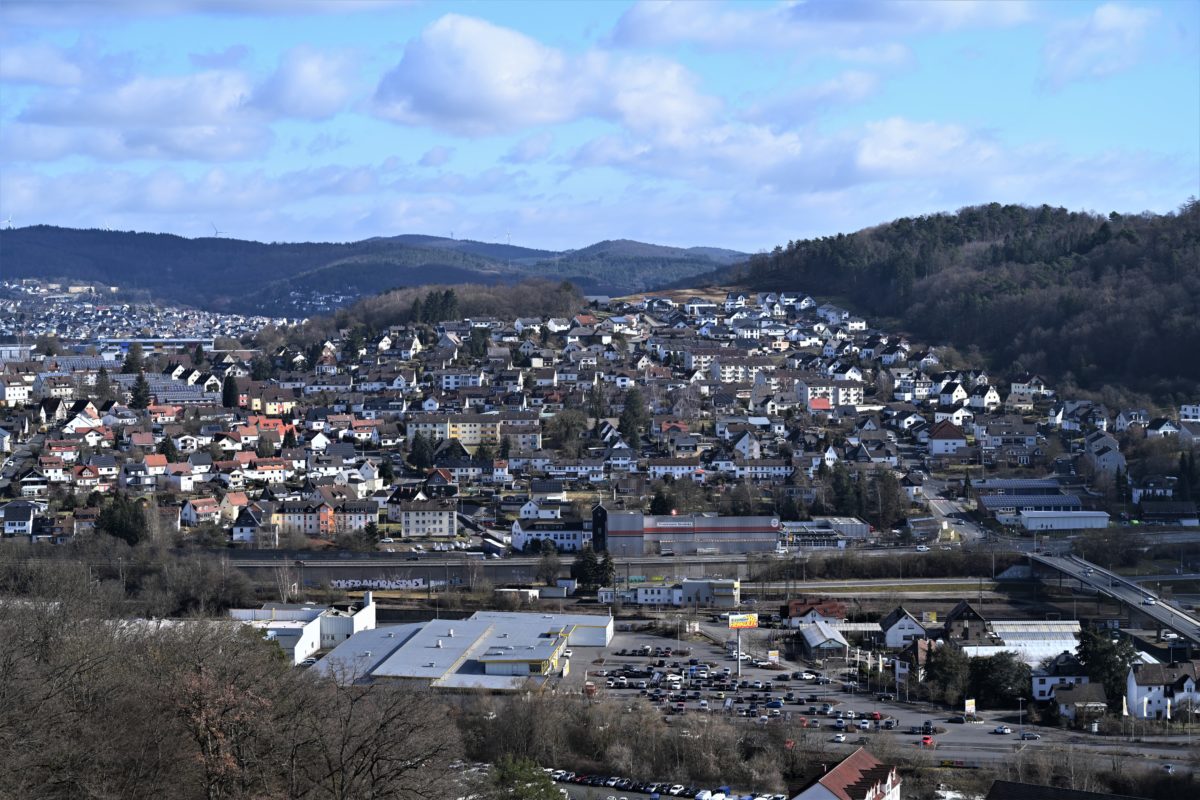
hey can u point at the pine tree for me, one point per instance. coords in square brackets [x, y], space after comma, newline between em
[123, 518]
[660, 504]
[417, 311]
[289, 439]
[420, 453]
[104, 387]
[198, 355]
[141, 393]
[586, 568]
[167, 448]
[633, 417]
[229, 392]
[134, 360]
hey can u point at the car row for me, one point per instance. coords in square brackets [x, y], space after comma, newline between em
[654, 788]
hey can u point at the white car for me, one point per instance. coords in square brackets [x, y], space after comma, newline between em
[567, 653]
[839, 738]
[1149, 601]
[921, 548]
[387, 540]
[1003, 730]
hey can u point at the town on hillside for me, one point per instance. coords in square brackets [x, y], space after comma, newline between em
[752, 505]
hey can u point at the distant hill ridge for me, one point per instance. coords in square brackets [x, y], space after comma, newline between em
[247, 276]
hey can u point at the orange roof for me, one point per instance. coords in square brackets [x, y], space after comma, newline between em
[155, 460]
[857, 776]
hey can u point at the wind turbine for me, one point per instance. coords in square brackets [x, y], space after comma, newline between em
[8, 223]
[216, 233]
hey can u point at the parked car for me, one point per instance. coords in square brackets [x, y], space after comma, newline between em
[1003, 730]
[840, 737]
[922, 548]
[1030, 736]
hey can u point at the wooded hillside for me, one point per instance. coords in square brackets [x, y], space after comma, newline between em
[1090, 301]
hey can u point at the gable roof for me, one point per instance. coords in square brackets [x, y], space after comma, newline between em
[855, 776]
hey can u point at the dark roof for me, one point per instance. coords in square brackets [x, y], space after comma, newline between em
[1010, 790]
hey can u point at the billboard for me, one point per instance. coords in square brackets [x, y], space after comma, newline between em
[773, 656]
[739, 621]
[969, 706]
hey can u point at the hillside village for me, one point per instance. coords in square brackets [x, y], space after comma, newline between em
[771, 392]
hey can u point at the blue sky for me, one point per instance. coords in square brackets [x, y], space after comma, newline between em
[740, 125]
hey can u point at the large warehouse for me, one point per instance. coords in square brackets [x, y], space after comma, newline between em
[490, 651]
[632, 533]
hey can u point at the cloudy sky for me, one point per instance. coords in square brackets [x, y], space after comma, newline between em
[559, 124]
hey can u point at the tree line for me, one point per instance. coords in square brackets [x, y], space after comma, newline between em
[1089, 301]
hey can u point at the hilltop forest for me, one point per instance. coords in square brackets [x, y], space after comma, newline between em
[226, 274]
[1108, 304]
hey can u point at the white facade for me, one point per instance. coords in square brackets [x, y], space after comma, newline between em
[1063, 520]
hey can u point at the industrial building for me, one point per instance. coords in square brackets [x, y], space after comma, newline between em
[490, 651]
[1063, 520]
[703, 592]
[303, 629]
[824, 532]
[1032, 641]
[632, 533]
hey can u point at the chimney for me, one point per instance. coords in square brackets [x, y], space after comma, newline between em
[439, 643]
[451, 633]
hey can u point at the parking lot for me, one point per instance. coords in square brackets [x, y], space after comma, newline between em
[690, 678]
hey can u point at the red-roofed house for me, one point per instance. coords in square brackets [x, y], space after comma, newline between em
[860, 776]
[946, 438]
[200, 509]
[156, 464]
[232, 504]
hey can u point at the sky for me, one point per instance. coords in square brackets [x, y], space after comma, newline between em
[556, 125]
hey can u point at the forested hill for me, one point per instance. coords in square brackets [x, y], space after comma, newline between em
[1091, 301]
[233, 275]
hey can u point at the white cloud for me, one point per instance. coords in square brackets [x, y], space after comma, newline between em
[39, 13]
[1107, 41]
[436, 156]
[845, 27]
[474, 78]
[530, 149]
[807, 102]
[900, 147]
[203, 98]
[38, 63]
[308, 84]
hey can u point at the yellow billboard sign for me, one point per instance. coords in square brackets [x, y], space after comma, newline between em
[739, 621]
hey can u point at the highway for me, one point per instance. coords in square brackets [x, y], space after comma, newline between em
[1127, 591]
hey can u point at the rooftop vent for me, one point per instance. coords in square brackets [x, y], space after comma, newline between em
[439, 643]
[451, 633]
[431, 664]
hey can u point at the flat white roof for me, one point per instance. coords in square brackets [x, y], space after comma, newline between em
[546, 620]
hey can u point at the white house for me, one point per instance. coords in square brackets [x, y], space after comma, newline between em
[900, 628]
[1153, 691]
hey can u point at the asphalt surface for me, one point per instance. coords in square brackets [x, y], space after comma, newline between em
[1119, 587]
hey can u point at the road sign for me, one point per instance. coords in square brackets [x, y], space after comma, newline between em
[741, 621]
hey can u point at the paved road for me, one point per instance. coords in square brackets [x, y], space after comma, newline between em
[1127, 591]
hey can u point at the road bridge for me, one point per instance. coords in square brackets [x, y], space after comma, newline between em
[1123, 589]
